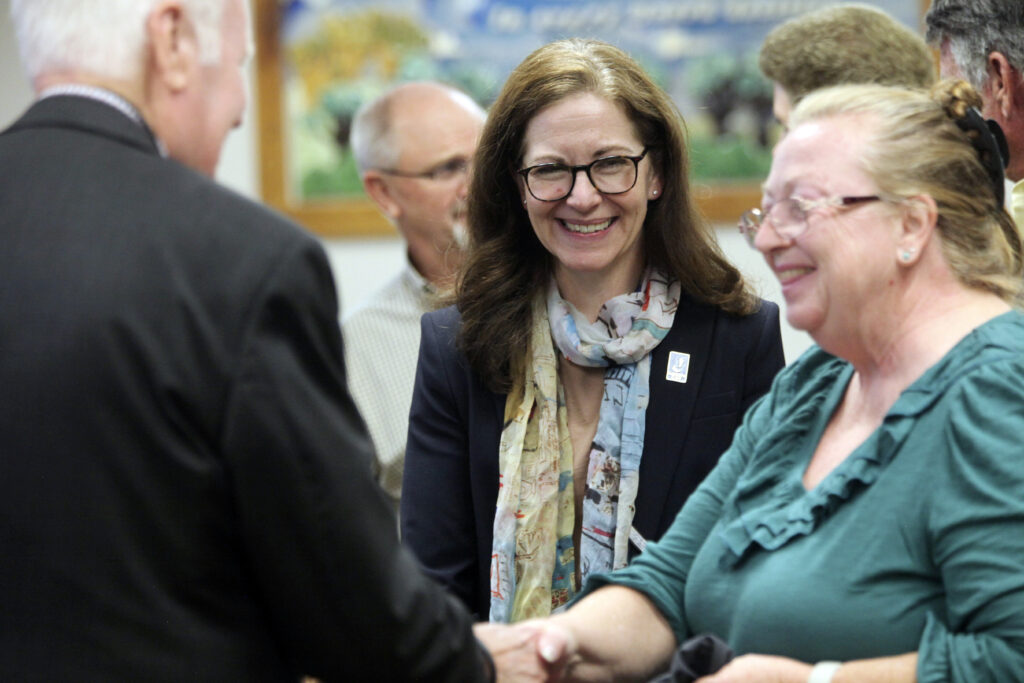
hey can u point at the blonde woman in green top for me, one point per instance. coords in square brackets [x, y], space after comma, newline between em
[867, 523]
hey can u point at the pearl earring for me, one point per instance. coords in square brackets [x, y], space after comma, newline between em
[654, 193]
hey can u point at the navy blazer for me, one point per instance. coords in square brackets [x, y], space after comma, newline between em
[451, 461]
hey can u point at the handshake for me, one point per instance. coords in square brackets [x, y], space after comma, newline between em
[534, 650]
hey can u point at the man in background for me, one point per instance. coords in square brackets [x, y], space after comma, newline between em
[413, 146]
[982, 41]
[185, 487]
[839, 45]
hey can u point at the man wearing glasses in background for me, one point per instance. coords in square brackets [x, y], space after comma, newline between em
[413, 146]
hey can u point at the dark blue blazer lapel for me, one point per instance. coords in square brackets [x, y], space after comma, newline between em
[670, 412]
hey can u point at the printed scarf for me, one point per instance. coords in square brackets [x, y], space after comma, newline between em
[533, 558]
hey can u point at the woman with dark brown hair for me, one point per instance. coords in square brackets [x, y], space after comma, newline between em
[601, 351]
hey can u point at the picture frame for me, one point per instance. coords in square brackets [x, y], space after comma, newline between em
[331, 204]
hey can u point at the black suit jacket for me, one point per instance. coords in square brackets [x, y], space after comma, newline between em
[451, 461]
[185, 487]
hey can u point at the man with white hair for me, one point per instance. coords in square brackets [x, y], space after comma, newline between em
[413, 146]
[185, 486]
[982, 41]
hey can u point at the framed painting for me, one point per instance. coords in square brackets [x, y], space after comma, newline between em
[318, 60]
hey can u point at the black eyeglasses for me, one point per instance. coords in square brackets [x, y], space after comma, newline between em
[608, 175]
[447, 170]
[788, 217]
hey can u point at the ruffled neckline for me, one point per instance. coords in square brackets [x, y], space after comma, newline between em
[769, 505]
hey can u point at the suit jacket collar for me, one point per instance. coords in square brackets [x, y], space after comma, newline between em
[89, 116]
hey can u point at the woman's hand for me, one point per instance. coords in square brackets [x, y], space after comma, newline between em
[584, 644]
[760, 669]
[533, 650]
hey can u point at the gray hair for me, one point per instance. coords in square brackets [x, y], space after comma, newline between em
[976, 28]
[372, 138]
[102, 37]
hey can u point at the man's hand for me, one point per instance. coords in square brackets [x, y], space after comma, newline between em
[535, 650]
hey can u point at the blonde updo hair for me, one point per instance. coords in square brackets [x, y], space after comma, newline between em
[917, 147]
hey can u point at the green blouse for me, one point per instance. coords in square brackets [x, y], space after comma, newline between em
[915, 542]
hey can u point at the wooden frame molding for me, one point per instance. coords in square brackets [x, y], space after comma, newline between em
[719, 203]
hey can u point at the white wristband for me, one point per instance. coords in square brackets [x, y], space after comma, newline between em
[822, 672]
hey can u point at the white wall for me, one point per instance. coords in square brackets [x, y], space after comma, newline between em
[360, 265]
[15, 93]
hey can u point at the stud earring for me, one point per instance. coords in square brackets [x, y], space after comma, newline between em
[654, 193]
[907, 254]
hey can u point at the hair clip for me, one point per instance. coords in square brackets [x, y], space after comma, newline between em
[990, 144]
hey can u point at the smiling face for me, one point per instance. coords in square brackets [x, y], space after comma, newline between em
[837, 275]
[593, 237]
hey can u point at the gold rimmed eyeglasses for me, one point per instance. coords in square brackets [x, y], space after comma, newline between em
[788, 217]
